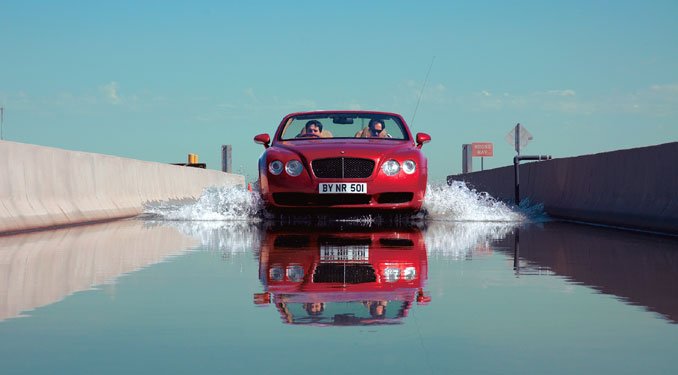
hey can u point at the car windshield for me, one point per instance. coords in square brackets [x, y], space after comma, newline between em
[343, 125]
[345, 313]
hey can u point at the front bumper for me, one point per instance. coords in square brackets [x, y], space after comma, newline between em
[399, 193]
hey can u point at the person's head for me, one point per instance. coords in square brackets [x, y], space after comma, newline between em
[378, 310]
[376, 127]
[314, 308]
[314, 127]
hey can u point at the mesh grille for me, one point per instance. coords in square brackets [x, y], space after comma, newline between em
[344, 273]
[343, 168]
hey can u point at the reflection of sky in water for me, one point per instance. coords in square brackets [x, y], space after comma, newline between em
[195, 311]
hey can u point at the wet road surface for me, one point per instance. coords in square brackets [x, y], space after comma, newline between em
[176, 297]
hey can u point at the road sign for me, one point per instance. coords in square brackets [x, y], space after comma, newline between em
[482, 149]
[518, 137]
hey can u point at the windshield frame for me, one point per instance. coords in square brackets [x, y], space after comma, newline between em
[329, 115]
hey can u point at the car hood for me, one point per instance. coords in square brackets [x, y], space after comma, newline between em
[317, 149]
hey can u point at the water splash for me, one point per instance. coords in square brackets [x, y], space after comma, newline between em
[534, 212]
[456, 202]
[215, 204]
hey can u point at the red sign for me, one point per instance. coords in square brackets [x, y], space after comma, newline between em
[482, 149]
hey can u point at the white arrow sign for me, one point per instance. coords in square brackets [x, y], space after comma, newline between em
[518, 137]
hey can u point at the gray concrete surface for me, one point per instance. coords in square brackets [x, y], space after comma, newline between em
[43, 187]
[634, 188]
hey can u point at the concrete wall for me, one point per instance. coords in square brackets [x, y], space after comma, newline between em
[42, 187]
[635, 188]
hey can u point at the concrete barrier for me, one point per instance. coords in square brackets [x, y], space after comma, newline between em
[634, 188]
[43, 187]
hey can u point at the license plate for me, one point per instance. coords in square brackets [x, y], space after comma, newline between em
[342, 188]
[358, 253]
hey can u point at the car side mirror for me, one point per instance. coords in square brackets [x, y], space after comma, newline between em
[422, 138]
[263, 139]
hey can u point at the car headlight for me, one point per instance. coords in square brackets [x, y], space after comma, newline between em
[391, 274]
[275, 167]
[294, 168]
[410, 273]
[391, 167]
[409, 166]
[295, 273]
[276, 273]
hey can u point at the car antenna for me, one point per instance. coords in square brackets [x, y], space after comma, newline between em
[421, 93]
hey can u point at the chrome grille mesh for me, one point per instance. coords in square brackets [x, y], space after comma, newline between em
[343, 168]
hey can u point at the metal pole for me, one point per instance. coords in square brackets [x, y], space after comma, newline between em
[516, 252]
[2, 117]
[516, 163]
[482, 159]
[518, 138]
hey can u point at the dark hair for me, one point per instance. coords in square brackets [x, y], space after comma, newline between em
[314, 122]
[374, 122]
[309, 308]
[375, 314]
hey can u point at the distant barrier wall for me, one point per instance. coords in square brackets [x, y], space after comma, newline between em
[43, 187]
[635, 188]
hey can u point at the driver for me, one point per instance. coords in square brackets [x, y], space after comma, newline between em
[312, 128]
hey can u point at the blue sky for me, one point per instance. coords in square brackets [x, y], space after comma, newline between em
[157, 80]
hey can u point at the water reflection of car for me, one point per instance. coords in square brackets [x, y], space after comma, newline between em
[343, 278]
[359, 160]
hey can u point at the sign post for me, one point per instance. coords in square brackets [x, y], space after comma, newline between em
[519, 137]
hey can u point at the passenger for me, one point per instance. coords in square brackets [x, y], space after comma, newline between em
[375, 129]
[377, 308]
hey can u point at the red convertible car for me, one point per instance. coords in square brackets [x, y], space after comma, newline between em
[343, 160]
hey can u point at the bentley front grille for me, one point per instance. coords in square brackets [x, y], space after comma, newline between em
[343, 168]
[344, 273]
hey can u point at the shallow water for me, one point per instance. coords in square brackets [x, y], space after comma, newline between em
[140, 296]
[443, 202]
